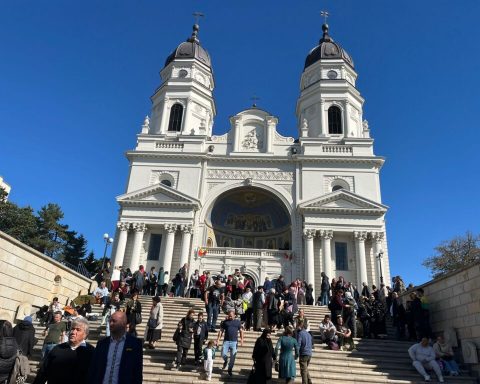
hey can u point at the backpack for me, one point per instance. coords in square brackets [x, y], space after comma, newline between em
[333, 346]
[21, 370]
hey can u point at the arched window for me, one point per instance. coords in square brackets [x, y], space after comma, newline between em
[334, 120]
[175, 122]
[336, 188]
[166, 182]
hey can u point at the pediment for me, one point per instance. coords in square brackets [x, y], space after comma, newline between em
[159, 195]
[343, 202]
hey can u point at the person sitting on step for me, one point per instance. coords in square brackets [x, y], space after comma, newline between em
[423, 357]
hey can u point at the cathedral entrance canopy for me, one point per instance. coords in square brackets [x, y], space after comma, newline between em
[249, 217]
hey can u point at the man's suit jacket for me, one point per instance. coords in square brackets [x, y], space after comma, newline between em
[131, 365]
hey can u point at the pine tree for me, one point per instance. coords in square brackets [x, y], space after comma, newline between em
[52, 234]
[75, 249]
[19, 223]
[92, 264]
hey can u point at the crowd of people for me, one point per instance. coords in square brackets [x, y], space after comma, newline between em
[242, 307]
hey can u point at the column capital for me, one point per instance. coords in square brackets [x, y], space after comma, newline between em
[139, 227]
[187, 228]
[326, 234]
[360, 235]
[123, 226]
[377, 236]
[309, 233]
[170, 228]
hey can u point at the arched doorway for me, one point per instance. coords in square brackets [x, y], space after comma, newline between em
[249, 217]
[252, 284]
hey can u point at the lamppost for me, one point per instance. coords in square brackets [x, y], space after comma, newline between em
[379, 257]
[108, 240]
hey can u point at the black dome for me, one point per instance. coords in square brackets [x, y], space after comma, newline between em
[327, 49]
[190, 49]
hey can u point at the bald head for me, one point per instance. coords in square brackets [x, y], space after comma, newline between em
[118, 324]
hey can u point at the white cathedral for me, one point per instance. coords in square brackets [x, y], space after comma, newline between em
[253, 199]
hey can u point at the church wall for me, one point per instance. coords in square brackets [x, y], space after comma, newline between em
[351, 273]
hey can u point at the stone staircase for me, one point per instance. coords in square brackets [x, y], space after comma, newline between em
[374, 361]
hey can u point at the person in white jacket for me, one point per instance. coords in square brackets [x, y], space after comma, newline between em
[423, 357]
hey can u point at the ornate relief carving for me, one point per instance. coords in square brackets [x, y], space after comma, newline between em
[139, 227]
[326, 234]
[377, 236]
[220, 139]
[360, 235]
[243, 174]
[288, 188]
[170, 228]
[309, 234]
[252, 140]
[187, 228]
[123, 226]
[283, 139]
[327, 182]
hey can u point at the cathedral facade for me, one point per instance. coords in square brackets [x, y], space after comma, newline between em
[252, 198]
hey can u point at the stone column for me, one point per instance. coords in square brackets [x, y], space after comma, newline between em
[186, 118]
[360, 237]
[308, 235]
[270, 131]
[139, 229]
[323, 120]
[121, 244]
[377, 248]
[346, 119]
[167, 257]
[187, 231]
[327, 236]
[165, 117]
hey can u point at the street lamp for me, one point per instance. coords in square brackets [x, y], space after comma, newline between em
[380, 256]
[108, 240]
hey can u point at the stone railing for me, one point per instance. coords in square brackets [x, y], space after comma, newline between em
[338, 149]
[164, 145]
[246, 253]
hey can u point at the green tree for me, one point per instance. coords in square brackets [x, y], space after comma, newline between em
[454, 254]
[92, 264]
[75, 248]
[3, 195]
[19, 223]
[51, 233]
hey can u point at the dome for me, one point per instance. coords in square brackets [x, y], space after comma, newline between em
[327, 49]
[190, 49]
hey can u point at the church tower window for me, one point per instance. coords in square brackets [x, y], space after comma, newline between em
[334, 120]
[175, 122]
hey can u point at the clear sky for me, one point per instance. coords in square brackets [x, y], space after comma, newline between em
[76, 77]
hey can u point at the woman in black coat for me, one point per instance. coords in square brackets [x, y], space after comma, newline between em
[263, 356]
[183, 338]
[24, 333]
[8, 350]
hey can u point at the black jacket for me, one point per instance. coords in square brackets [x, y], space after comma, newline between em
[64, 365]
[8, 354]
[263, 356]
[24, 333]
[131, 364]
[203, 330]
[186, 333]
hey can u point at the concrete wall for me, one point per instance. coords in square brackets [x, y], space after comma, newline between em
[28, 277]
[455, 302]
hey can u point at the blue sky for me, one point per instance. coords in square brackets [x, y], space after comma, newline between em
[75, 82]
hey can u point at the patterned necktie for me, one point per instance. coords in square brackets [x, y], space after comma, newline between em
[112, 366]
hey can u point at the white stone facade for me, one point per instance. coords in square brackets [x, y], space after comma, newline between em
[253, 198]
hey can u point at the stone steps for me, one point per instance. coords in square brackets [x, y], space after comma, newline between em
[375, 361]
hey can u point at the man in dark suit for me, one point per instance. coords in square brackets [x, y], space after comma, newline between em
[118, 359]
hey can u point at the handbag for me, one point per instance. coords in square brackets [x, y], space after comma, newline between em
[138, 318]
[277, 366]
[251, 376]
[176, 335]
[152, 323]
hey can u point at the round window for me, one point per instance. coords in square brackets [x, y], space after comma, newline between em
[332, 75]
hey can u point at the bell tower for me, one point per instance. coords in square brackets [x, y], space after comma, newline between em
[329, 108]
[184, 104]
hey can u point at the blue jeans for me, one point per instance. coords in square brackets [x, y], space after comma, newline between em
[232, 346]
[212, 314]
[451, 366]
[46, 349]
[324, 299]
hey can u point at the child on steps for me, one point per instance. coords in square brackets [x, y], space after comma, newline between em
[208, 356]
